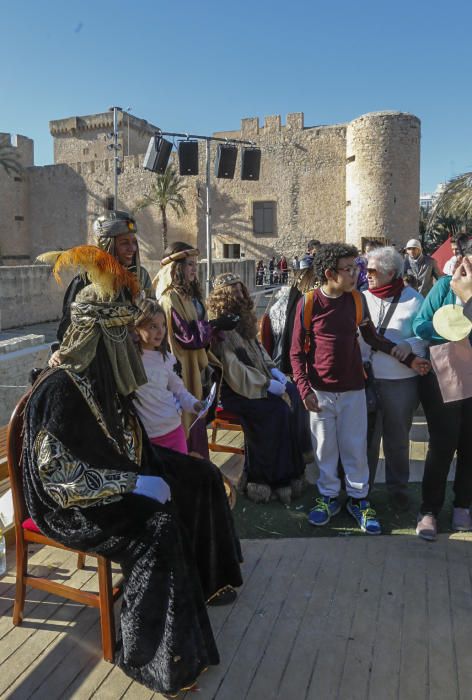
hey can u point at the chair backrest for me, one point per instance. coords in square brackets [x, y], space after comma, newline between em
[14, 452]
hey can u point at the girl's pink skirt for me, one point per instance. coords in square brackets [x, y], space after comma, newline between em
[175, 440]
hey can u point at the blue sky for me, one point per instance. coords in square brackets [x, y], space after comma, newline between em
[202, 66]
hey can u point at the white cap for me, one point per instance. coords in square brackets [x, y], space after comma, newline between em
[413, 243]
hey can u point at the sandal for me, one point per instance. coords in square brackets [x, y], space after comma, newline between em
[225, 596]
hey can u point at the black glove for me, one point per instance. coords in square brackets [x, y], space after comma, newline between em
[227, 322]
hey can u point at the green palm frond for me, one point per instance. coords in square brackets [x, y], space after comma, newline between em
[455, 201]
[166, 191]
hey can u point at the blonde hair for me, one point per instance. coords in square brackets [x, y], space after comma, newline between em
[149, 308]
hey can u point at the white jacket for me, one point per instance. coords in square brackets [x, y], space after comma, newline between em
[399, 328]
[159, 403]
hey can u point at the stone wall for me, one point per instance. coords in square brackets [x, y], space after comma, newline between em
[15, 222]
[29, 294]
[58, 205]
[18, 356]
[302, 171]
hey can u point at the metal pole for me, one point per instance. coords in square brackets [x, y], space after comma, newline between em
[208, 220]
[115, 147]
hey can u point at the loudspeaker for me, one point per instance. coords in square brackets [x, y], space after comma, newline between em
[188, 157]
[250, 163]
[225, 162]
[157, 155]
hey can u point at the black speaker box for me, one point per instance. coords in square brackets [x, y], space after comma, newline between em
[157, 155]
[250, 163]
[188, 157]
[225, 162]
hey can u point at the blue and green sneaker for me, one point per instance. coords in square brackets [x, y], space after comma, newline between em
[324, 510]
[364, 515]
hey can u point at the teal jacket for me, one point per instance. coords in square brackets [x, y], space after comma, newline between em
[440, 295]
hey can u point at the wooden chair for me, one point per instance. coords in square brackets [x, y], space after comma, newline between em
[224, 421]
[27, 531]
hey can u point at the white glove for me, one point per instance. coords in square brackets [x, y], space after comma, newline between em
[280, 376]
[276, 387]
[153, 487]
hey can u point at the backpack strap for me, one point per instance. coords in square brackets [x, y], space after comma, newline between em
[357, 296]
[307, 312]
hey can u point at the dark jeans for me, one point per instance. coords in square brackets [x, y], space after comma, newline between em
[450, 429]
[398, 402]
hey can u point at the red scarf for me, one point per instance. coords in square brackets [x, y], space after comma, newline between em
[389, 290]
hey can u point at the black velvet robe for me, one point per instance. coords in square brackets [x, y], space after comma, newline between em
[174, 556]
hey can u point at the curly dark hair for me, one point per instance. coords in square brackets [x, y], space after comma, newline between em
[192, 289]
[221, 302]
[467, 247]
[328, 256]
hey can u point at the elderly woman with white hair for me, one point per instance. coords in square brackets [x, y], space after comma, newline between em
[392, 308]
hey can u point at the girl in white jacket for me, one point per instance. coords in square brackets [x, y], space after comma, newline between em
[159, 403]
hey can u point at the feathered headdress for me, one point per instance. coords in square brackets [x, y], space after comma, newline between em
[102, 269]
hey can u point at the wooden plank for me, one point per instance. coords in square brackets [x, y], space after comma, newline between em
[253, 641]
[386, 650]
[252, 552]
[442, 662]
[267, 678]
[459, 571]
[413, 671]
[298, 671]
[354, 675]
[22, 648]
[49, 566]
[331, 629]
[251, 595]
[87, 682]
[139, 692]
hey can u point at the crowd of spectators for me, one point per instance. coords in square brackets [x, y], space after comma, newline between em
[337, 365]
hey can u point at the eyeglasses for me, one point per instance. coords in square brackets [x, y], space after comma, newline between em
[351, 269]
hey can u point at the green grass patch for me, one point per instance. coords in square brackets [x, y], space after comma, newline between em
[274, 520]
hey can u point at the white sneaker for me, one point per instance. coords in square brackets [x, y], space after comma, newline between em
[461, 520]
[426, 527]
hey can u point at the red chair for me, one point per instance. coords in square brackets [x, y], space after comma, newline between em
[27, 531]
[224, 421]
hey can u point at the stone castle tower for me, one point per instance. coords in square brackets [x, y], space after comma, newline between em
[382, 177]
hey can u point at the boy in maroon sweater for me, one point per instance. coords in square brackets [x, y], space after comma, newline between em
[330, 380]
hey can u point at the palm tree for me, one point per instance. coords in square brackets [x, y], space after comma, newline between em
[452, 211]
[165, 192]
[9, 159]
[455, 199]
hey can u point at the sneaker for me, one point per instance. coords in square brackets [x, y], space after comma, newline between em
[426, 527]
[461, 520]
[364, 515]
[324, 510]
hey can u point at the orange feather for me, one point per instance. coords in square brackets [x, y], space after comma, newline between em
[101, 268]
